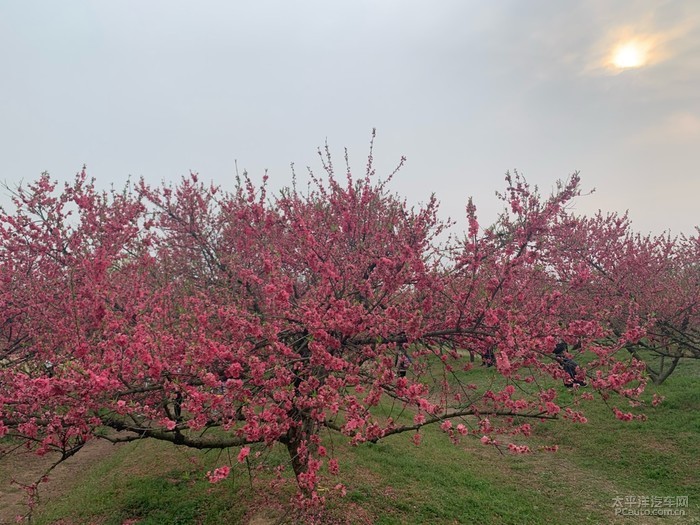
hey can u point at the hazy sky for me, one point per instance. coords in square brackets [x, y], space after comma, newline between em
[465, 90]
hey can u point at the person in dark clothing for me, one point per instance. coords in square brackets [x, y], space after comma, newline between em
[489, 358]
[568, 365]
[402, 363]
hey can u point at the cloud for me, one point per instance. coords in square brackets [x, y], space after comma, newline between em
[676, 128]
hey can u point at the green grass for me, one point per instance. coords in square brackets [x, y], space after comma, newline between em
[395, 482]
[149, 483]
[439, 484]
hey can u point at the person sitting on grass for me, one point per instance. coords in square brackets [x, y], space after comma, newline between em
[568, 365]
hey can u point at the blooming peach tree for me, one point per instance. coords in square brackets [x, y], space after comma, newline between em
[643, 289]
[215, 319]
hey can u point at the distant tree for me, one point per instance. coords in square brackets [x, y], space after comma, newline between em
[212, 319]
[647, 286]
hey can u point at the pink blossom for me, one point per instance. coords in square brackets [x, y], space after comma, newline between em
[552, 408]
[333, 466]
[243, 454]
[622, 416]
[518, 449]
[219, 474]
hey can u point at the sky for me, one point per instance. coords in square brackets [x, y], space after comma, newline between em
[466, 90]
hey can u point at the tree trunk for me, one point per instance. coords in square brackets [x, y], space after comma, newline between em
[297, 436]
[661, 376]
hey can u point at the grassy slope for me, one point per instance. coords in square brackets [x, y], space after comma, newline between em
[396, 482]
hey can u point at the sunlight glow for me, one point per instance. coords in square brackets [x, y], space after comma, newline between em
[631, 54]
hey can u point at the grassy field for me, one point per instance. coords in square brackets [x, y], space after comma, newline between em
[395, 482]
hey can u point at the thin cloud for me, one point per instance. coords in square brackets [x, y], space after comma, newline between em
[676, 128]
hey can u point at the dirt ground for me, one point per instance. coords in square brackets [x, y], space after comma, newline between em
[25, 468]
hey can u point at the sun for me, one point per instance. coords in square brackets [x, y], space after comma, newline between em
[631, 54]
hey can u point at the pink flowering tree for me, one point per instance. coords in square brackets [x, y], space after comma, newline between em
[644, 290]
[214, 319]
